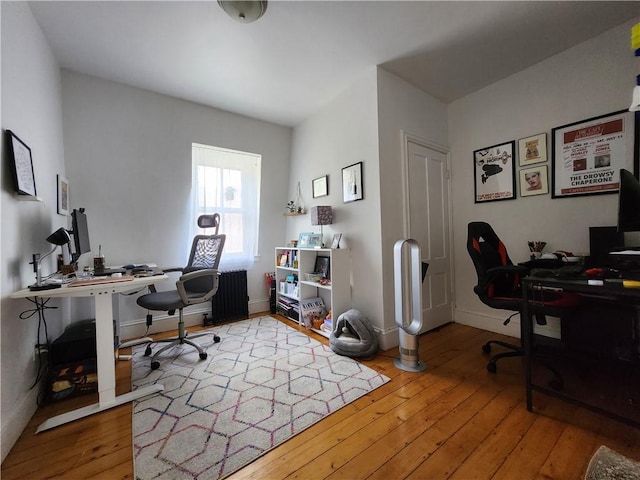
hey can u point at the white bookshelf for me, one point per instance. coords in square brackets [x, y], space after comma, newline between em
[297, 263]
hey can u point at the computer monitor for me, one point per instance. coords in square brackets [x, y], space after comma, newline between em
[603, 241]
[80, 231]
[629, 209]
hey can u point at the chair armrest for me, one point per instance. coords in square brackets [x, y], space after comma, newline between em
[508, 270]
[152, 287]
[191, 299]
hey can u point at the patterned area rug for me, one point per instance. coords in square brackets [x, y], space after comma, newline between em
[262, 384]
[607, 464]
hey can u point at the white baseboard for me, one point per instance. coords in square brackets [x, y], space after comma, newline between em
[164, 323]
[494, 323]
[388, 339]
[19, 417]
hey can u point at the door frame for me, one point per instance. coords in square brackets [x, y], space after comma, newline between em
[404, 165]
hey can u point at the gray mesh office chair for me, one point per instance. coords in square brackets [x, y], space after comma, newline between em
[197, 284]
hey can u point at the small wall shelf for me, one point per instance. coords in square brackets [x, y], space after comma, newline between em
[293, 214]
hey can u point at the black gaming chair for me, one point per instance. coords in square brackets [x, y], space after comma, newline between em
[197, 284]
[499, 286]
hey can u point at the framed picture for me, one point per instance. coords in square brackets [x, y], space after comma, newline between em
[322, 266]
[63, 196]
[310, 240]
[494, 173]
[532, 149]
[22, 165]
[303, 239]
[534, 181]
[352, 183]
[320, 187]
[315, 240]
[335, 243]
[588, 155]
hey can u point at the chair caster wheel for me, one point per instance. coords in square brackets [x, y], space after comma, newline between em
[486, 348]
[216, 339]
[491, 367]
[203, 356]
[155, 365]
[147, 351]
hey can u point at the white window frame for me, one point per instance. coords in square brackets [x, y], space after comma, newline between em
[241, 247]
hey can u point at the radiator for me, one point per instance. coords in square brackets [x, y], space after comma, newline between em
[231, 301]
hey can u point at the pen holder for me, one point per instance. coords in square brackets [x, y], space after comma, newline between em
[98, 262]
[536, 246]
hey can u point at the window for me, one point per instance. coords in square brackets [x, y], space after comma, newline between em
[228, 182]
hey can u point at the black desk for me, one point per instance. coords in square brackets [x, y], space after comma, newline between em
[610, 386]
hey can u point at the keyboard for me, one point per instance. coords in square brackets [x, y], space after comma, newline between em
[570, 271]
[108, 271]
[99, 280]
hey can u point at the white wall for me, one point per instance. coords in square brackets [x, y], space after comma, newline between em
[128, 156]
[341, 133]
[31, 108]
[128, 153]
[593, 78]
[402, 108]
[364, 123]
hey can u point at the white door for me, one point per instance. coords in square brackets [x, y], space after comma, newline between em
[428, 223]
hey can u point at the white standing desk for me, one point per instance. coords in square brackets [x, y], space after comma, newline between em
[104, 344]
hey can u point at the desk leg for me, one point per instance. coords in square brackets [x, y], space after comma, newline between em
[526, 332]
[115, 304]
[106, 370]
[105, 349]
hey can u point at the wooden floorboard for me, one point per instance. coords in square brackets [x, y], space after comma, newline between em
[454, 420]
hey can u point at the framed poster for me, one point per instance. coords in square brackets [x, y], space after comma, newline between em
[532, 149]
[534, 181]
[352, 183]
[63, 195]
[322, 266]
[588, 155]
[494, 173]
[320, 187]
[22, 165]
[335, 243]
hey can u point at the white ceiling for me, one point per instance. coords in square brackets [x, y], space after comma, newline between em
[302, 53]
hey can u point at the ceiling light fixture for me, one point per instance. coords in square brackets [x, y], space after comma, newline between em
[244, 11]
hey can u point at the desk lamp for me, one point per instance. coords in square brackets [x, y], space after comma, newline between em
[58, 238]
[322, 215]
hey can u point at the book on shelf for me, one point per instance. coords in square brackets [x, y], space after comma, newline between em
[313, 312]
[287, 302]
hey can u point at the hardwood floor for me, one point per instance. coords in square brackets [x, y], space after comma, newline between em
[454, 420]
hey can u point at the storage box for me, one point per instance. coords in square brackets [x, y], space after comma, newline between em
[291, 288]
[73, 379]
[78, 342]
